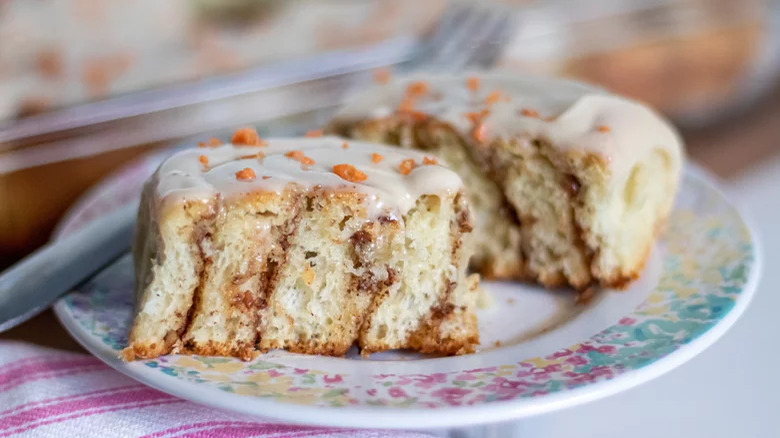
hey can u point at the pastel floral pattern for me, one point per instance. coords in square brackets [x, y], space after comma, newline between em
[708, 257]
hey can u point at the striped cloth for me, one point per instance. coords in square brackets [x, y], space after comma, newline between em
[52, 393]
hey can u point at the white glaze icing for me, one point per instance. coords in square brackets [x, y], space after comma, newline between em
[570, 114]
[184, 177]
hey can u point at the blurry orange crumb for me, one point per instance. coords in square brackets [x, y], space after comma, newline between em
[295, 155]
[406, 166]
[382, 75]
[100, 72]
[212, 142]
[472, 83]
[314, 133]
[527, 112]
[247, 137]
[204, 160]
[258, 155]
[30, 106]
[549, 119]
[299, 157]
[50, 63]
[245, 174]
[349, 173]
[604, 128]
[480, 132]
[375, 158]
[492, 97]
[429, 160]
[477, 117]
[406, 105]
[417, 88]
[266, 177]
[345, 145]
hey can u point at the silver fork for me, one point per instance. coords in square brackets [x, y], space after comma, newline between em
[467, 36]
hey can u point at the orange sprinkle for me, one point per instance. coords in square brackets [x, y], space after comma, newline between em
[382, 75]
[526, 112]
[345, 145]
[258, 155]
[472, 83]
[245, 174]
[604, 128]
[428, 161]
[493, 97]
[204, 160]
[212, 142]
[477, 117]
[295, 155]
[299, 157]
[266, 177]
[314, 133]
[417, 88]
[247, 137]
[406, 166]
[375, 158]
[349, 173]
[480, 132]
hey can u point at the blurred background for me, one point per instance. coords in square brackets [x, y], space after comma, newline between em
[87, 85]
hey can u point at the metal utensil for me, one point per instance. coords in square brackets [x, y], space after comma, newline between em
[466, 36]
[34, 283]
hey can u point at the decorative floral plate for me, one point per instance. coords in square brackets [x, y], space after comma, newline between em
[540, 351]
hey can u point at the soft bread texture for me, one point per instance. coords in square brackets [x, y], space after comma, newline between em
[497, 252]
[167, 259]
[311, 269]
[574, 196]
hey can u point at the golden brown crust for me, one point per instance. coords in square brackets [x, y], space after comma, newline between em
[329, 348]
[429, 339]
[490, 270]
[243, 351]
[193, 218]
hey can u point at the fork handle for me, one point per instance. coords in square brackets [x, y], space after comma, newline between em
[31, 285]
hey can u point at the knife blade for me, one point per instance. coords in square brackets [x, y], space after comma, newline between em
[31, 285]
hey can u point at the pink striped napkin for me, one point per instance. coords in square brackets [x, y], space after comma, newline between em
[52, 393]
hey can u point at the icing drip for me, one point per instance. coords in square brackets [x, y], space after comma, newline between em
[184, 176]
[570, 115]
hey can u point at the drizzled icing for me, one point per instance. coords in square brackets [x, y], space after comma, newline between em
[570, 115]
[184, 177]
